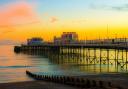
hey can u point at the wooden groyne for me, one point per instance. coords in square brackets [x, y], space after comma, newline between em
[76, 81]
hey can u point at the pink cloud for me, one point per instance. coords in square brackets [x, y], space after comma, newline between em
[17, 13]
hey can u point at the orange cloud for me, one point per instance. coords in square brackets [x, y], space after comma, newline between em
[17, 13]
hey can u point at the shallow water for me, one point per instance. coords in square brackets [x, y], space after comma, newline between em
[13, 66]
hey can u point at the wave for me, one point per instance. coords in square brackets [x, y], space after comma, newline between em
[17, 66]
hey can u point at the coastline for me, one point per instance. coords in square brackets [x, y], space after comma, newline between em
[116, 79]
[35, 85]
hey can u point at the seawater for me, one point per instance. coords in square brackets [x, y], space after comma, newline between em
[13, 66]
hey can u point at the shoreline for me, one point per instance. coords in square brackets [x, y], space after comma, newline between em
[118, 79]
[35, 85]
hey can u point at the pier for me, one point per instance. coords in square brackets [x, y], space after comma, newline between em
[102, 54]
[103, 57]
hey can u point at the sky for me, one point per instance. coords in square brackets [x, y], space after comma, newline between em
[91, 19]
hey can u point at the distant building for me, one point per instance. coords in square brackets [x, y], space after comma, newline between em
[35, 41]
[57, 40]
[66, 38]
[69, 37]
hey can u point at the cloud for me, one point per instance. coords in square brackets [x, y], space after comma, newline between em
[80, 21]
[123, 7]
[8, 42]
[7, 31]
[120, 8]
[53, 19]
[17, 13]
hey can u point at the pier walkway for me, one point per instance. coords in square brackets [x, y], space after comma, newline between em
[106, 46]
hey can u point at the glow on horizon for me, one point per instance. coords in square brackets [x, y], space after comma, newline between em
[24, 19]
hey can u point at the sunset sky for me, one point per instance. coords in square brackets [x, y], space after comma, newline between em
[22, 19]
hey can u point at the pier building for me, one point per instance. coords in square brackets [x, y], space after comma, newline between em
[66, 38]
[35, 41]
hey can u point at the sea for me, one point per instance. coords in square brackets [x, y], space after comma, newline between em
[13, 66]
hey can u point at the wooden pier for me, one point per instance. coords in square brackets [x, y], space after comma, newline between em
[108, 54]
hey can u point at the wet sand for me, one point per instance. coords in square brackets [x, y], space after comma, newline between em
[35, 85]
[118, 79]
